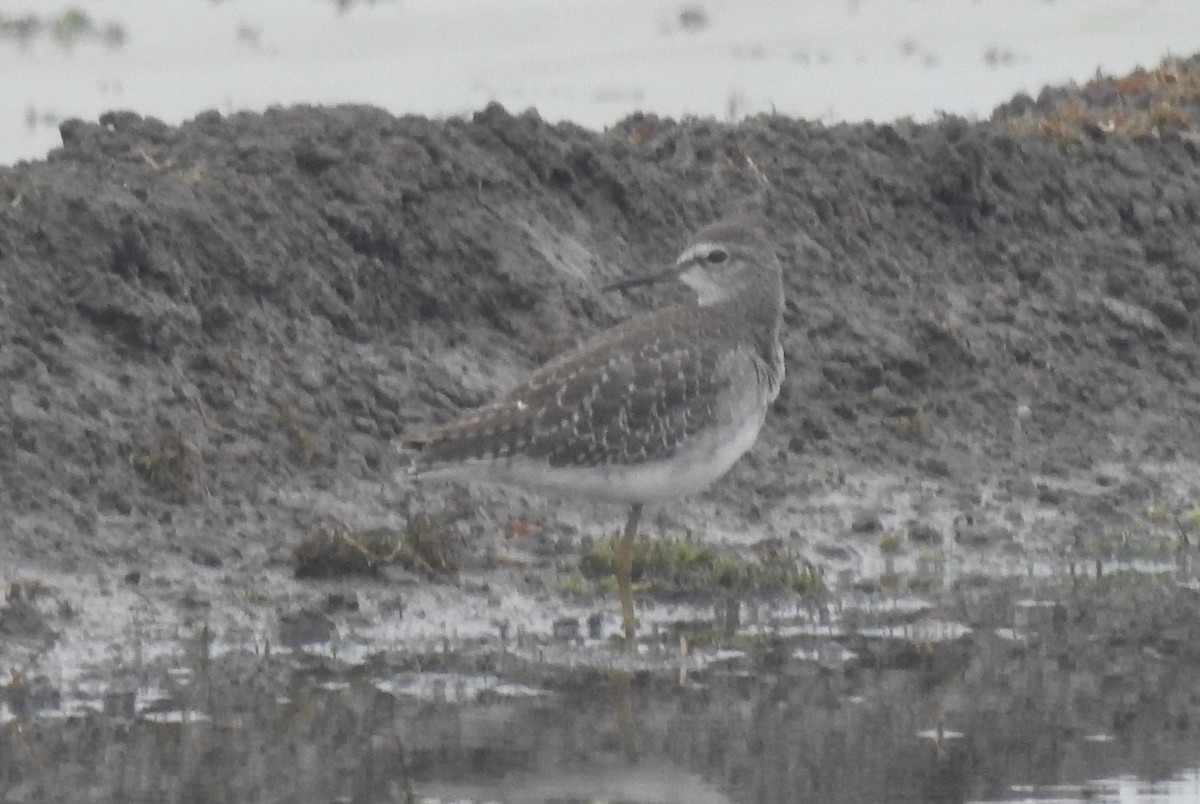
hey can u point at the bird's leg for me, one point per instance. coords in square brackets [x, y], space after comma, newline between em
[625, 572]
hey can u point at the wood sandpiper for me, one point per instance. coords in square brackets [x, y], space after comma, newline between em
[656, 407]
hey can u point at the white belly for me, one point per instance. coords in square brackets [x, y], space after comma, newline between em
[706, 457]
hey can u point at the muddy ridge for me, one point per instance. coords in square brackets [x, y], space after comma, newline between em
[210, 333]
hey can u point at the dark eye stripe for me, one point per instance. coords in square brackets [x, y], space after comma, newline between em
[717, 256]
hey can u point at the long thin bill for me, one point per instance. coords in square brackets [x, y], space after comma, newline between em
[641, 279]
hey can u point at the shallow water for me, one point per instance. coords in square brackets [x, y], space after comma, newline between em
[591, 63]
[1052, 689]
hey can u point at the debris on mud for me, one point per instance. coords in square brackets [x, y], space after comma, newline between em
[332, 549]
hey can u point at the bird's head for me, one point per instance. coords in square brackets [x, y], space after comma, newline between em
[718, 261]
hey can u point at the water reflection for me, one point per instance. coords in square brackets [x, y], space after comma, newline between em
[1079, 693]
[1183, 789]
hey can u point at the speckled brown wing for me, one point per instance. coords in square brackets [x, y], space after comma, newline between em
[632, 394]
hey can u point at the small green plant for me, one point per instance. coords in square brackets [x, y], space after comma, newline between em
[1157, 513]
[1191, 517]
[684, 567]
[573, 584]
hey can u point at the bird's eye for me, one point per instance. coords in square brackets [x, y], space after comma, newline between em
[717, 256]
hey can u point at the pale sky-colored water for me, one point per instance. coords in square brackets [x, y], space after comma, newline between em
[590, 61]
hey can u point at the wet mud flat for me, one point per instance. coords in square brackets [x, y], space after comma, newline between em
[976, 500]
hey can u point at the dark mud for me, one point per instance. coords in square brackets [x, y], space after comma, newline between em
[210, 334]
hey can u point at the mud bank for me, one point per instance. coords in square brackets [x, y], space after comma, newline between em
[211, 332]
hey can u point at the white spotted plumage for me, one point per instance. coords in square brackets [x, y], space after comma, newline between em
[658, 406]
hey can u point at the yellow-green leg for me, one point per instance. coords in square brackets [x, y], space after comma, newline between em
[625, 573]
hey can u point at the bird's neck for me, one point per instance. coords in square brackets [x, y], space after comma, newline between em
[746, 316]
[753, 289]
[755, 309]
[760, 297]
